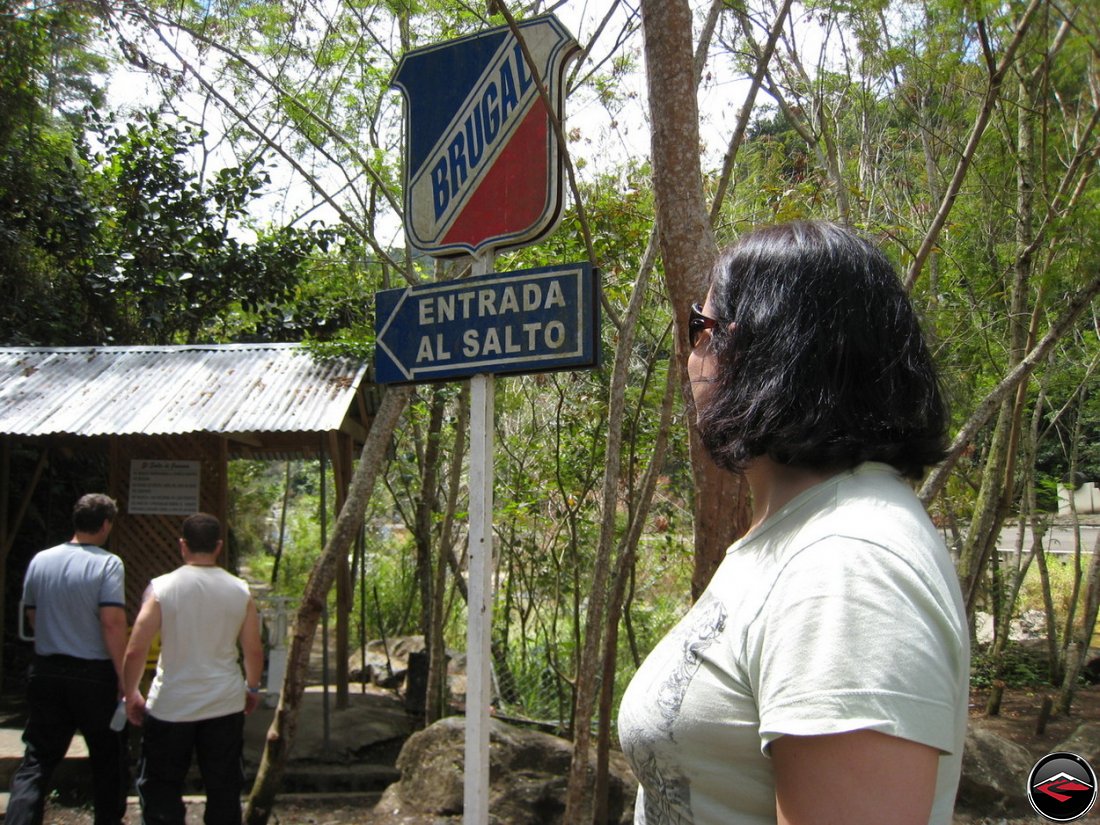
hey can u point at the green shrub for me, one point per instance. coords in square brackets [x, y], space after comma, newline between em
[1022, 666]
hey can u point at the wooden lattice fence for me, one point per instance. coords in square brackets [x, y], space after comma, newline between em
[149, 544]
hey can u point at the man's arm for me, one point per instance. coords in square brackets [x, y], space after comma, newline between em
[146, 626]
[253, 649]
[112, 624]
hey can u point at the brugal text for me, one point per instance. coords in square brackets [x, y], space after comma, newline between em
[474, 137]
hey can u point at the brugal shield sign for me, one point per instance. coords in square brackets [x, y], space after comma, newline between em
[482, 165]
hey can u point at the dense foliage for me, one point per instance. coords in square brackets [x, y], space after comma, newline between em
[110, 233]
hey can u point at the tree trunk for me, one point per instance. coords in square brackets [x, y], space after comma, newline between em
[1030, 513]
[1075, 591]
[426, 506]
[579, 797]
[280, 736]
[436, 702]
[996, 493]
[688, 250]
[619, 589]
[1049, 616]
[1079, 651]
[981, 536]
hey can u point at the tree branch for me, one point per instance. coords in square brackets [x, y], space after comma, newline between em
[996, 78]
[1074, 308]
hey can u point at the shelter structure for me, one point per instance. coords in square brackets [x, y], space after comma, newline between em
[165, 421]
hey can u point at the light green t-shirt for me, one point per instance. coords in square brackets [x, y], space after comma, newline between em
[842, 612]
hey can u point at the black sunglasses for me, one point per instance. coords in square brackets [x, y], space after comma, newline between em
[697, 322]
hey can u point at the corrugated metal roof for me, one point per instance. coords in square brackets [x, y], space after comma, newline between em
[171, 390]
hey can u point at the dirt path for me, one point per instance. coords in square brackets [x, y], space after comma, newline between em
[1019, 711]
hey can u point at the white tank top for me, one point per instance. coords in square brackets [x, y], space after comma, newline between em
[198, 673]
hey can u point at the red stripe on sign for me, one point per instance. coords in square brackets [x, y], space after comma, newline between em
[513, 196]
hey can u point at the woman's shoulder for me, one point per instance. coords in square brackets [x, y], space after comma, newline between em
[869, 515]
[873, 501]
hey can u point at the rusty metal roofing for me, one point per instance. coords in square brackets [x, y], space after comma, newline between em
[171, 390]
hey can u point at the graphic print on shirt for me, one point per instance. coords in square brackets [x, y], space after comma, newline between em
[667, 797]
[668, 790]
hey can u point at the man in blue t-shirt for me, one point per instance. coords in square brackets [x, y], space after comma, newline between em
[74, 595]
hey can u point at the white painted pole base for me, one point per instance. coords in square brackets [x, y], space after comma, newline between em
[479, 621]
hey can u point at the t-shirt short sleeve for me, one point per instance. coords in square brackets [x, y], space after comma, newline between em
[30, 599]
[852, 637]
[112, 590]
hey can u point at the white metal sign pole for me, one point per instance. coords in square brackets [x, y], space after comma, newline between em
[480, 590]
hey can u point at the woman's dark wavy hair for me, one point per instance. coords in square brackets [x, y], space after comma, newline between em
[826, 366]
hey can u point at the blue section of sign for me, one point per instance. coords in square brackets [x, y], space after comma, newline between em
[441, 76]
[482, 163]
[515, 322]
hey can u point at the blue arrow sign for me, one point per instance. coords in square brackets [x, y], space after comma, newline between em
[531, 320]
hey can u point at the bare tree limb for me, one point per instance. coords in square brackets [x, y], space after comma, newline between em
[763, 57]
[280, 736]
[1073, 309]
[981, 120]
[563, 148]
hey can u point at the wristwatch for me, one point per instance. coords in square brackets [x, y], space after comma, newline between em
[253, 689]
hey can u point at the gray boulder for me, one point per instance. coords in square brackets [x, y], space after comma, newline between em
[383, 664]
[528, 775]
[1085, 742]
[387, 664]
[994, 774]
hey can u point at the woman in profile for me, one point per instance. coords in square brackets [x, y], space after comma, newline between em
[822, 677]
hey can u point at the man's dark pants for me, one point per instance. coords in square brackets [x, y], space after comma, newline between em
[166, 749]
[66, 694]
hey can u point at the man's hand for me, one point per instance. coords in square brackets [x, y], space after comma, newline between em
[135, 708]
[146, 626]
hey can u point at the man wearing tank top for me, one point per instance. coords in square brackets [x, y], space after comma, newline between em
[198, 699]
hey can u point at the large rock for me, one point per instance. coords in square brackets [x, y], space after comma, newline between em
[385, 664]
[528, 775]
[994, 774]
[1085, 742]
